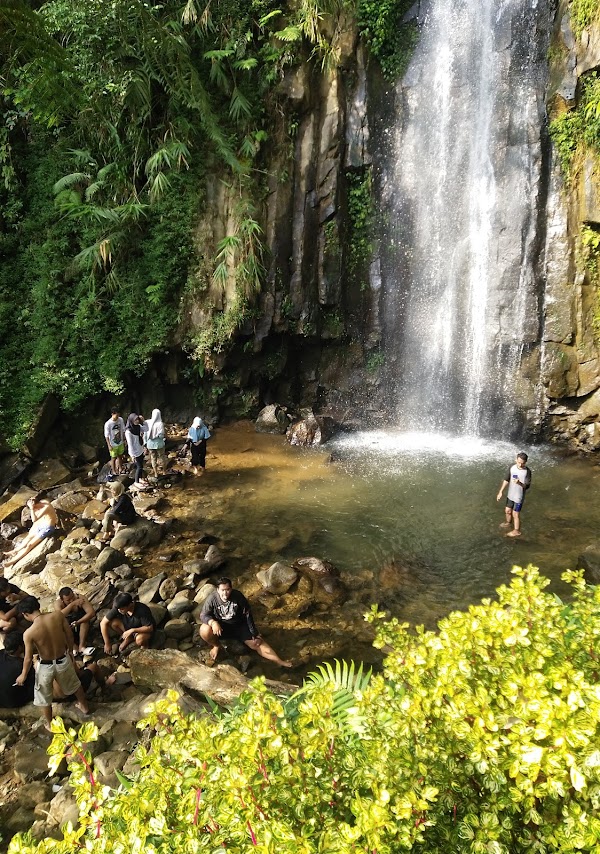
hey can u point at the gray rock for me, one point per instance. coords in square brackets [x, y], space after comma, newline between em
[34, 562]
[30, 762]
[204, 592]
[278, 578]
[8, 531]
[326, 585]
[272, 419]
[149, 590]
[20, 819]
[142, 533]
[181, 603]
[109, 558]
[178, 629]
[160, 613]
[312, 430]
[107, 763]
[63, 808]
[34, 793]
[167, 589]
[165, 668]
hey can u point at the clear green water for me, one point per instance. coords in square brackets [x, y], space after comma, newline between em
[423, 502]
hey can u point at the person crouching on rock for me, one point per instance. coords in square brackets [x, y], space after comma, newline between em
[132, 621]
[45, 521]
[226, 614]
[51, 636]
[120, 512]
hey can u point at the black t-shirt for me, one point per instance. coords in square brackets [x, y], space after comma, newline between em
[124, 510]
[13, 696]
[141, 616]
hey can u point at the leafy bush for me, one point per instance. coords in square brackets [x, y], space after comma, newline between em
[583, 13]
[482, 737]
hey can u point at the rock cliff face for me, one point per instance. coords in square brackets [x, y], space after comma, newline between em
[570, 369]
[313, 335]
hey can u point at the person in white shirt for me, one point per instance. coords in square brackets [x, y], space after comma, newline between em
[518, 480]
[114, 433]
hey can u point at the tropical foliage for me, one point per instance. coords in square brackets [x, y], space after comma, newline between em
[481, 737]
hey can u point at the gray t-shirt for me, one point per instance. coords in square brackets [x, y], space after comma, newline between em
[518, 481]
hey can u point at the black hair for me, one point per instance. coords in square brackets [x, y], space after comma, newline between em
[224, 580]
[13, 642]
[4, 584]
[522, 456]
[114, 410]
[65, 591]
[28, 605]
[122, 600]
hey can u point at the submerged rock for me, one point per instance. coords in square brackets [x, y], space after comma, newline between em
[326, 584]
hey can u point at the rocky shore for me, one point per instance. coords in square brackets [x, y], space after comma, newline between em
[169, 559]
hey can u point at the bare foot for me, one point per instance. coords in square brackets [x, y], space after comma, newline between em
[214, 652]
[84, 710]
[513, 534]
[287, 663]
[505, 524]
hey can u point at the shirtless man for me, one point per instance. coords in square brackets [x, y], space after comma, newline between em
[79, 613]
[226, 614]
[50, 635]
[45, 520]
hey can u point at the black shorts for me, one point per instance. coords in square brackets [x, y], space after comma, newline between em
[240, 632]
[515, 505]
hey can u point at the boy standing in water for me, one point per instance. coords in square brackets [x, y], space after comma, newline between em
[518, 480]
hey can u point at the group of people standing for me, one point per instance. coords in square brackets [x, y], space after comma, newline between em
[138, 435]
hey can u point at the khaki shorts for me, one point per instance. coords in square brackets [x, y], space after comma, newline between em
[65, 675]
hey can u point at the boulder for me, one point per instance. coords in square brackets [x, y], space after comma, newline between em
[278, 578]
[109, 558]
[166, 668]
[71, 502]
[203, 594]
[94, 509]
[589, 561]
[178, 628]
[142, 533]
[43, 423]
[12, 467]
[49, 473]
[159, 613]
[33, 562]
[20, 819]
[272, 419]
[181, 603]
[30, 761]
[167, 589]
[149, 590]
[8, 531]
[10, 510]
[107, 763]
[326, 585]
[212, 561]
[63, 808]
[310, 431]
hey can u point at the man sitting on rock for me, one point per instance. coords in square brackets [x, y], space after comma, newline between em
[50, 635]
[10, 596]
[45, 521]
[132, 621]
[80, 614]
[13, 696]
[226, 614]
[120, 512]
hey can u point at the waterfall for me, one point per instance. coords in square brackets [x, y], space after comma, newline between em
[461, 188]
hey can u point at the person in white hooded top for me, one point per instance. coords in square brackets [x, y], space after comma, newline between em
[197, 436]
[155, 442]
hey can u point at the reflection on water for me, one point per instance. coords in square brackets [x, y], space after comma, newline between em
[425, 503]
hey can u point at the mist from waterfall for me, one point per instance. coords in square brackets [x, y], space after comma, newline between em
[460, 197]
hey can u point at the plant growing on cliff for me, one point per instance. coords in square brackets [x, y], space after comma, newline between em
[583, 13]
[481, 737]
[390, 39]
